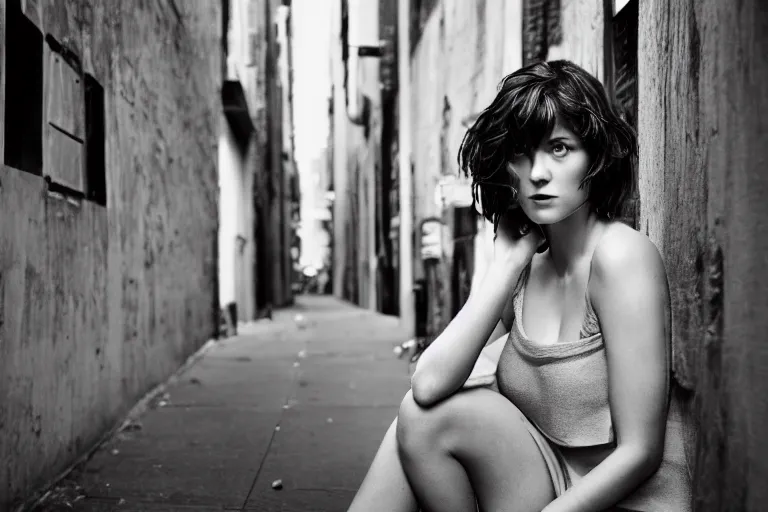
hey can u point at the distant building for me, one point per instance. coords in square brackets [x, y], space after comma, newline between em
[258, 180]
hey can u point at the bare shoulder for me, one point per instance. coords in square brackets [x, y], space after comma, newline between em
[625, 254]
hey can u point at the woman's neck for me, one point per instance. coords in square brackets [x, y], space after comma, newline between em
[570, 239]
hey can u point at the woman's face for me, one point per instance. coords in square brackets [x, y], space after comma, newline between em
[549, 179]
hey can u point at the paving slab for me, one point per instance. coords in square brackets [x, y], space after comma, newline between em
[320, 449]
[352, 382]
[184, 456]
[216, 382]
[305, 397]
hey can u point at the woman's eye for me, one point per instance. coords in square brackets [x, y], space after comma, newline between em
[560, 150]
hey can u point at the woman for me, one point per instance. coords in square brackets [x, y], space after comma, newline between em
[579, 417]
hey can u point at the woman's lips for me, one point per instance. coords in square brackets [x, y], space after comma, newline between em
[541, 199]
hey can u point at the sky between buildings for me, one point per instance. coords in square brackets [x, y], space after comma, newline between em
[311, 39]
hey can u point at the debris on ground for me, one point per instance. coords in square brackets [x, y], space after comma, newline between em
[132, 426]
[160, 400]
[277, 484]
[405, 348]
[63, 496]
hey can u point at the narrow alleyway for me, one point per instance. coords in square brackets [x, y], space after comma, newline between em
[304, 398]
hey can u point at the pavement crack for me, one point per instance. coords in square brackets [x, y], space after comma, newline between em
[294, 384]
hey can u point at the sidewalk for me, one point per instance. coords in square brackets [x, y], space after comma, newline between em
[306, 402]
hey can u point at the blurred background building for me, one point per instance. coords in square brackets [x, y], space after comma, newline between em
[258, 181]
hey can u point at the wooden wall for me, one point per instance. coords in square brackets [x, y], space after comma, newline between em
[703, 152]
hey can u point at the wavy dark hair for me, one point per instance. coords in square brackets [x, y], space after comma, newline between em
[524, 111]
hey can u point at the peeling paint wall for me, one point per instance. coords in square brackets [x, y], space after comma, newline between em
[99, 304]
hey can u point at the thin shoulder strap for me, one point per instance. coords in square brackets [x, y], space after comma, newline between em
[522, 280]
[591, 324]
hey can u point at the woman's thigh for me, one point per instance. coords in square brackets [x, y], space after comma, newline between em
[486, 433]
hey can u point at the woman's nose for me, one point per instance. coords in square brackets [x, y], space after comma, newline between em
[539, 169]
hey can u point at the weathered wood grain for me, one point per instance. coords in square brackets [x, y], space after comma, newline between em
[703, 153]
[63, 159]
[64, 98]
[2, 80]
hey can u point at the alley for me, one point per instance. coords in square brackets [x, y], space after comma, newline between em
[304, 398]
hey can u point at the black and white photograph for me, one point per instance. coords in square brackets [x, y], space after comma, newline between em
[383, 255]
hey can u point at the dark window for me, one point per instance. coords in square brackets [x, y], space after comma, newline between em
[625, 60]
[621, 78]
[23, 91]
[95, 166]
[541, 29]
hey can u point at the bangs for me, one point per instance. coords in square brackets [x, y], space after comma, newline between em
[530, 121]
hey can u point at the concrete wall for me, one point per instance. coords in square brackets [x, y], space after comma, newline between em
[365, 138]
[582, 23]
[703, 187]
[241, 167]
[356, 131]
[339, 124]
[99, 304]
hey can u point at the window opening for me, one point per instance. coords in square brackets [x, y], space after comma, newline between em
[23, 92]
[95, 166]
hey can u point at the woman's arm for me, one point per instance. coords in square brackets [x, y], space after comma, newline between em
[449, 359]
[630, 293]
[447, 362]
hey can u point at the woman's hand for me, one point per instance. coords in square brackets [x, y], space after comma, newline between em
[517, 237]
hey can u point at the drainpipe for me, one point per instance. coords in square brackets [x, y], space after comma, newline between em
[406, 299]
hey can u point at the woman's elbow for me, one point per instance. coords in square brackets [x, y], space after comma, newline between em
[426, 389]
[647, 459]
[653, 459]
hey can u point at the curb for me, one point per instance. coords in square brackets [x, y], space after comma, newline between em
[137, 410]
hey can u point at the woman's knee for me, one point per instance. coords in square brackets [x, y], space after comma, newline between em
[418, 428]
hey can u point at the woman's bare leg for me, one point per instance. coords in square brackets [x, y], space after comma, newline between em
[385, 487]
[474, 445]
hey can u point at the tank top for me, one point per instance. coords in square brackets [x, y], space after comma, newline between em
[562, 389]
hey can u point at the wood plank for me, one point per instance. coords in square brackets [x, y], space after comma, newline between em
[2, 80]
[63, 159]
[65, 106]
